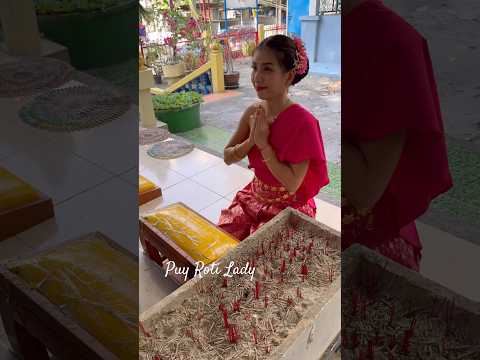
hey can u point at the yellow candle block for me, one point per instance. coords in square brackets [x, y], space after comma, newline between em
[94, 284]
[14, 192]
[195, 235]
[145, 185]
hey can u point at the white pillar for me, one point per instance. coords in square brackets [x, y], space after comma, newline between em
[20, 28]
[145, 105]
[314, 7]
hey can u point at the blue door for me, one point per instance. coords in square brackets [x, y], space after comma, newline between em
[296, 8]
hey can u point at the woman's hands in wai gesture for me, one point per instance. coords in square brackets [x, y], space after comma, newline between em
[260, 128]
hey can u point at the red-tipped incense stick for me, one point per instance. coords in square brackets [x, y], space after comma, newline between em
[299, 293]
[145, 332]
[225, 317]
[257, 289]
[232, 334]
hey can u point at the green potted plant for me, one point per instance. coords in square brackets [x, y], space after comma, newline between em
[180, 111]
[87, 27]
[230, 76]
[173, 65]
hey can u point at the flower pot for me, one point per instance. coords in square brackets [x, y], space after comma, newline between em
[180, 120]
[92, 37]
[157, 78]
[231, 80]
[173, 71]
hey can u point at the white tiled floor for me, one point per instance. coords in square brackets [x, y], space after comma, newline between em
[91, 144]
[99, 209]
[188, 165]
[212, 212]
[223, 179]
[82, 175]
[450, 261]
[56, 172]
[187, 191]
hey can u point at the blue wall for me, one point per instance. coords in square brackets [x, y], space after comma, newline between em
[296, 9]
[322, 38]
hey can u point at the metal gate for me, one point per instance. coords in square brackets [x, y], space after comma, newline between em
[330, 7]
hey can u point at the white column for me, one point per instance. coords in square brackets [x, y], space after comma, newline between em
[313, 8]
[20, 27]
[145, 105]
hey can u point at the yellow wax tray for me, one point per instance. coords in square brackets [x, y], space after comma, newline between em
[145, 185]
[93, 283]
[14, 192]
[195, 235]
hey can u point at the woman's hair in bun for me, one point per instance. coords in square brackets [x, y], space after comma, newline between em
[286, 52]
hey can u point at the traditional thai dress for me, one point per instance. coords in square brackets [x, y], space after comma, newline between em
[295, 137]
[389, 87]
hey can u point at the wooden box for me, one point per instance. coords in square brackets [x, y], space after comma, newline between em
[161, 248]
[33, 322]
[196, 304]
[413, 317]
[147, 191]
[21, 206]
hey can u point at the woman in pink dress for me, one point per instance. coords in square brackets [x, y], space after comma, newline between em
[282, 140]
[394, 158]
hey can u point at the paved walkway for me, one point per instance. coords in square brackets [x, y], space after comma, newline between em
[452, 29]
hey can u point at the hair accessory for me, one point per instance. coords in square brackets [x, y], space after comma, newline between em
[301, 59]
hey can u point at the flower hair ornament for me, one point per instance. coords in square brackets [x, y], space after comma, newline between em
[301, 58]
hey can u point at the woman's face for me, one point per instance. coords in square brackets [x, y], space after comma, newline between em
[268, 77]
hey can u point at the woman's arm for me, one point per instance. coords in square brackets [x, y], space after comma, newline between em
[290, 175]
[368, 167]
[241, 142]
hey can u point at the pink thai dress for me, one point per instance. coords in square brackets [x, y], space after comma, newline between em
[388, 87]
[295, 137]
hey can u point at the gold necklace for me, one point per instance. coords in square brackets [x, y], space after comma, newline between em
[285, 107]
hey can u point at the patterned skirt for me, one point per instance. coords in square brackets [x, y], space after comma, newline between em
[379, 234]
[256, 204]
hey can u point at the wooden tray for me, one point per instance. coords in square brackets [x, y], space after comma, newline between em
[33, 323]
[14, 221]
[320, 323]
[414, 299]
[161, 249]
[150, 195]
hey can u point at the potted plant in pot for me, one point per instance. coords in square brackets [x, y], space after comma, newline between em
[157, 69]
[180, 111]
[173, 65]
[230, 76]
[87, 28]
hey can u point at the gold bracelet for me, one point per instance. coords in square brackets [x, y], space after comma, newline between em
[267, 160]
